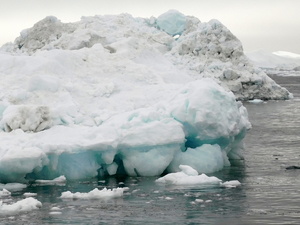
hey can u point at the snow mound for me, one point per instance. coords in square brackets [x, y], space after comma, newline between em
[4, 193]
[95, 194]
[27, 118]
[280, 59]
[13, 186]
[202, 50]
[118, 95]
[188, 176]
[25, 205]
[231, 184]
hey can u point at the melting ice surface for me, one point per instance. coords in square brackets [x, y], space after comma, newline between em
[119, 95]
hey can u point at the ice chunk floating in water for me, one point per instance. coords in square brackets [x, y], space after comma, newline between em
[188, 176]
[25, 205]
[95, 194]
[119, 95]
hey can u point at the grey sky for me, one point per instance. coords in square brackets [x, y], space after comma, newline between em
[271, 25]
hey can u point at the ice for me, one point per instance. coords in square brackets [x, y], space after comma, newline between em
[26, 118]
[116, 94]
[188, 177]
[256, 101]
[279, 63]
[4, 193]
[205, 159]
[29, 194]
[231, 184]
[283, 60]
[57, 181]
[13, 186]
[43, 83]
[95, 194]
[287, 54]
[172, 22]
[25, 205]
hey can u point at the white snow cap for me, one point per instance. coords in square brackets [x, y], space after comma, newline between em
[118, 94]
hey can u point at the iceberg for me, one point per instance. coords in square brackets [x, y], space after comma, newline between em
[4, 193]
[113, 95]
[189, 177]
[275, 60]
[25, 205]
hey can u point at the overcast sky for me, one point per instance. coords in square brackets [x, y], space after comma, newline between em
[271, 25]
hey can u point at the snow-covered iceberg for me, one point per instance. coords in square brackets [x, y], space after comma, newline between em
[188, 176]
[276, 63]
[280, 59]
[25, 205]
[121, 95]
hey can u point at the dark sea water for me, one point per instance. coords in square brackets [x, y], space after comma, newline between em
[269, 194]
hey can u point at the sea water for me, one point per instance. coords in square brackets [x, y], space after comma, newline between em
[269, 193]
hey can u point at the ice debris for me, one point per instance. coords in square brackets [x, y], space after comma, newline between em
[188, 176]
[95, 194]
[231, 184]
[27, 204]
[4, 193]
[61, 180]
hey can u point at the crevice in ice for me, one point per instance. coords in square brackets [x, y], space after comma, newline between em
[192, 142]
[118, 160]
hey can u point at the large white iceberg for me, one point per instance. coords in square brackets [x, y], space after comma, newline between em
[119, 95]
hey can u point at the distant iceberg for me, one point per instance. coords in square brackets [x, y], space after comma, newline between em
[121, 95]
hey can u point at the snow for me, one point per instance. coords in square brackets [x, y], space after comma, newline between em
[13, 186]
[188, 176]
[256, 101]
[4, 193]
[280, 59]
[120, 95]
[29, 194]
[59, 180]
[287, 54]
[95, 194]
[25, 205]
[280, 63]
[231, 184]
